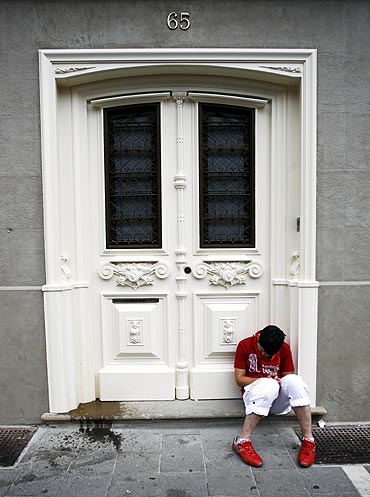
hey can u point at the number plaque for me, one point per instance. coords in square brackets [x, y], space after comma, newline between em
[181, 20]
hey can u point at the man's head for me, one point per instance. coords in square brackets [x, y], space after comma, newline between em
[271, 339]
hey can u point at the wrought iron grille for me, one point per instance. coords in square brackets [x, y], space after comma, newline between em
[132, 172]
[226, 176]
[12, 442]
[342, 444]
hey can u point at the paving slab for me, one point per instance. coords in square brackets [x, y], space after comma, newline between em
[328, 479]
[181, 453]
[34, 482]
[6, 479]
[184, 458]
[182, 485]
[135, 463]
[91, 481]
[272, 449]
[227, 475]
[138, 485]
[286, 483]
[142, 442]
[345, 494]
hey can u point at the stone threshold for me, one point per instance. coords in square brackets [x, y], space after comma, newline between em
[159, 410]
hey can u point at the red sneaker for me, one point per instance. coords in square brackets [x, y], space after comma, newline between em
[306, 456]
[245, 450]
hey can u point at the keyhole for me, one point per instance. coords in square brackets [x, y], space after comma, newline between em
[187, 270]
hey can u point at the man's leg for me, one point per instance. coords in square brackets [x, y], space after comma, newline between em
[303, 414]
[294, 391]
[258, 398]
[250, 422]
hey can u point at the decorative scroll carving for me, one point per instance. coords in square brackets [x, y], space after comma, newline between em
[135, 332]
[296, 265]
[228, 330]
[228, 274]
[64, 266]
[65, 70]
[133, 274]
[293, 69]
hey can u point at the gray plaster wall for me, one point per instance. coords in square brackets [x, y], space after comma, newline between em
[23, 383]
[338, 29]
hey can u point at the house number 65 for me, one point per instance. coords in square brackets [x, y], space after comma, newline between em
[173, 23]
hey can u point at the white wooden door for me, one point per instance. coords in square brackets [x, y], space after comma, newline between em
[182, 251]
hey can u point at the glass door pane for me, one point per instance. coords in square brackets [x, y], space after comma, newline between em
[132, 174]
[226, 176]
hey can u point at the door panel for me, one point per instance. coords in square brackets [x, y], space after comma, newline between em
[177, 296]
[220, 323]
[135, 338]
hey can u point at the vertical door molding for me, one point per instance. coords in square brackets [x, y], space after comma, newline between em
[304, 285]
[182, 366]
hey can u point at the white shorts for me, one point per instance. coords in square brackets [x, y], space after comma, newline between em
[266, 396]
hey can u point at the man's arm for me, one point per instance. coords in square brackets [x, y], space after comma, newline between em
[241, 379]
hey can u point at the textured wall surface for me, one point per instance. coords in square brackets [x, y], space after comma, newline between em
[343, 369]
[23, 383]
[340, 32]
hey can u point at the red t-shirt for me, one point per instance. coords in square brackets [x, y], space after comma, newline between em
[256, 365]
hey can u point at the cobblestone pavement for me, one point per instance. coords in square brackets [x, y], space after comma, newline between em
[167, 459]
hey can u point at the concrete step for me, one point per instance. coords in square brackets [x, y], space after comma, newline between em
[173, 409]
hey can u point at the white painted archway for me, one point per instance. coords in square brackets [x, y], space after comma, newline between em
[70, 79]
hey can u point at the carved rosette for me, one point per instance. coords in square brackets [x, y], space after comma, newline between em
[134, 274]
[228, 274]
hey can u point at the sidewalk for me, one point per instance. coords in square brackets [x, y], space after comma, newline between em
[167, 459]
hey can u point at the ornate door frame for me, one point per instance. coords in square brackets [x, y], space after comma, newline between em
[67, 298]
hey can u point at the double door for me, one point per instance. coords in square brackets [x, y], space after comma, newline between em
[182, 253]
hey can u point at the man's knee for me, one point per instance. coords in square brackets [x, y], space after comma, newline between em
[270, 388]
[259, 396]
[296, 389]
[289, 378]
[292, 381]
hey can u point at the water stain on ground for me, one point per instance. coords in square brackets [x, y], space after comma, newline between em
[96, 410]
[101, 432]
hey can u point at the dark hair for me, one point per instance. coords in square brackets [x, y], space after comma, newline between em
[271, 339]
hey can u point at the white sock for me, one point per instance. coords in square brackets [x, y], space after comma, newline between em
[309, 438]
[242, 439]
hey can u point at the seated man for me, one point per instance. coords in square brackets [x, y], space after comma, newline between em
[264, 369]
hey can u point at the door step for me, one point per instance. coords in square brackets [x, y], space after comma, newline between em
[174, 409]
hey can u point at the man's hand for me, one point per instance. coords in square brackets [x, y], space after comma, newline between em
[274, 377]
